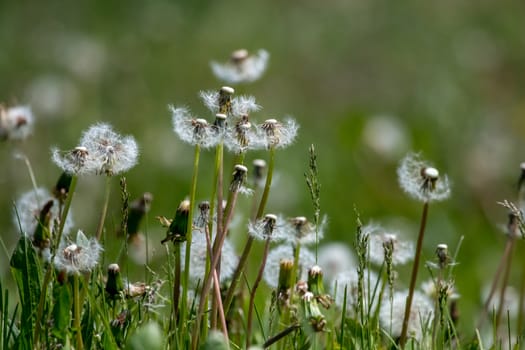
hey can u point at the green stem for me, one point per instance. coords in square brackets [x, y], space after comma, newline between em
[104, 212]
[186, 278]
[220, 213]
[176, 283]
[248, 246]
[415, 268]
[76, 309]
[504, 282]
[50, 269]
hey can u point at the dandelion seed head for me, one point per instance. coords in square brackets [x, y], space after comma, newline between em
[28, 207]
[79, 256]
[420, 318]
[335, 258]
[270, 227]
[194, 131]
[16, 123]
[273, 133]
[77, 161]
[286, 252]
[242, 67]
[349, 279]
[421, 181]
[303, 232]
[402, 251]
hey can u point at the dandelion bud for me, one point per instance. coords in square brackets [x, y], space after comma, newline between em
[238, 177]
[285, 275]
[301, 287]
[442, 255]
[178, 227]
[62, 186]
[114, 283]
[137, 210]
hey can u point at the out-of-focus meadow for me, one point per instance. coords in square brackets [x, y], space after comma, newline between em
[367, 81]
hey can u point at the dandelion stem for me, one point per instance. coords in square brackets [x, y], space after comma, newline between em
[76, 308]
[183, 308]
[251, 304]
[415, 268]
[248, 246]
[104, 212]
[504, 282]
[176, 282]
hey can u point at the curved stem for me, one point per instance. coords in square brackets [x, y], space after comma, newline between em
[415, 268]
[248, 246]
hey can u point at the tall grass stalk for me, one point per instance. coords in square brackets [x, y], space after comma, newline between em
[104, 211]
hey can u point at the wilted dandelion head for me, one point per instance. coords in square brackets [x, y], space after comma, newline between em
[402, 251]
[194, 131]
[28, 207]
[198, 255]
[111, 153]
[16, 123]
[77, 257]
[241, 67]
[282, 252]
[335, 258]
[420, 318]
[273, 133]
[421, 181]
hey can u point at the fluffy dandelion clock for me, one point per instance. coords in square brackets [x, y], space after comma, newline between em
[349, 280]
[78, 161]
[270, 227]
[301, 231]
[402, 251]
[282, 252]
[420, 319]
[28, 208]
[195, 131]
[16, 123]
[421, 181]
[198, 255]
[335, 258]
[242, 67]
[77, 257]
[110, 152]
[222, 101]
[273, 133]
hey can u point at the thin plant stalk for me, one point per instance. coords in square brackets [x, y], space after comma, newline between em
[217, 245]
[104, 212]
[50, 269]
[176, 282]
[504, 282]
[76, 310]
[415, 268]
[251, 304]
[521, 302]
[186, 278]
[248, 246]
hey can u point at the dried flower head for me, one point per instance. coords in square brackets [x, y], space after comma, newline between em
[273, 133]
[271, 272]
[195, 131]
[16, 123]
[242, 67]
[270, 227]
[81, 256]
[111, 152]
[402, 251]
[28, 208]
[421, 181]
[421, 315]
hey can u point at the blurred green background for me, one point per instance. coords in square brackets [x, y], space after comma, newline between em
[367, 81]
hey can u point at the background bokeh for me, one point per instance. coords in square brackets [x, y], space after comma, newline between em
[368, 81]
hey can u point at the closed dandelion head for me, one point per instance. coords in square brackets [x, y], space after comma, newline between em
[421, 181]
[111, 153]
[286, 252]
[271, 227]
[420, 317]
[194, 131]
[241, 67]
[259, 176]
[16, 123]
[273, 133]
[238, 179]
[28, 211]
[402, 251]
[79, 256]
